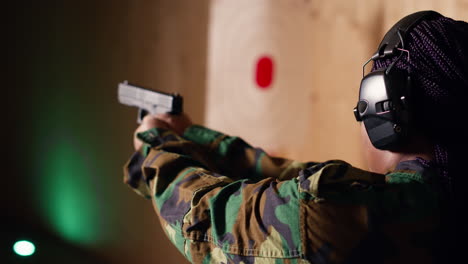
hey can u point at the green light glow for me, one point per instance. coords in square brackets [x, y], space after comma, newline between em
[69, 192]
[67, 158]
[24, 248]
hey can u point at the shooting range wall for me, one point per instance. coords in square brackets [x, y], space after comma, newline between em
[282, 74]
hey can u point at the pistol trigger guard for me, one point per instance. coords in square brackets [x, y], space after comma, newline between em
[141, 114]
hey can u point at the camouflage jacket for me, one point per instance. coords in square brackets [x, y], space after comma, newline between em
[220, 200]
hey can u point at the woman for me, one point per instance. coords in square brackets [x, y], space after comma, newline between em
[222, 201]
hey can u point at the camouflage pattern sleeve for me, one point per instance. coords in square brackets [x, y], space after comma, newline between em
[329, 212]
[212, 218]
[237, 159]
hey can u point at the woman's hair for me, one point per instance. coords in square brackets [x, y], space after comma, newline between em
[438, 66]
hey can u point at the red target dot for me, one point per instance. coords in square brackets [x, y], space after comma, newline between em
[264, 72]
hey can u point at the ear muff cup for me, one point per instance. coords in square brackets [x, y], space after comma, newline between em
[384, 111]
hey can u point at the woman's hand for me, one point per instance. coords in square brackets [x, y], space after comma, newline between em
[176, 123]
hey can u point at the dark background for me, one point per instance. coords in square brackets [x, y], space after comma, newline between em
[67, 137]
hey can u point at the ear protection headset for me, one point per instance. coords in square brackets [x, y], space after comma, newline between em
[385, 95]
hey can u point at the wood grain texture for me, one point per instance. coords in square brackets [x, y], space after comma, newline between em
[319, 48]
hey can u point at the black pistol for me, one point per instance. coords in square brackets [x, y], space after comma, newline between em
[148, 101]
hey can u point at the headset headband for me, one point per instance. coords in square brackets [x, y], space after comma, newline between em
[392, 40]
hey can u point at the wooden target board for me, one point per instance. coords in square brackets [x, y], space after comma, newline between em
[259, 72]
